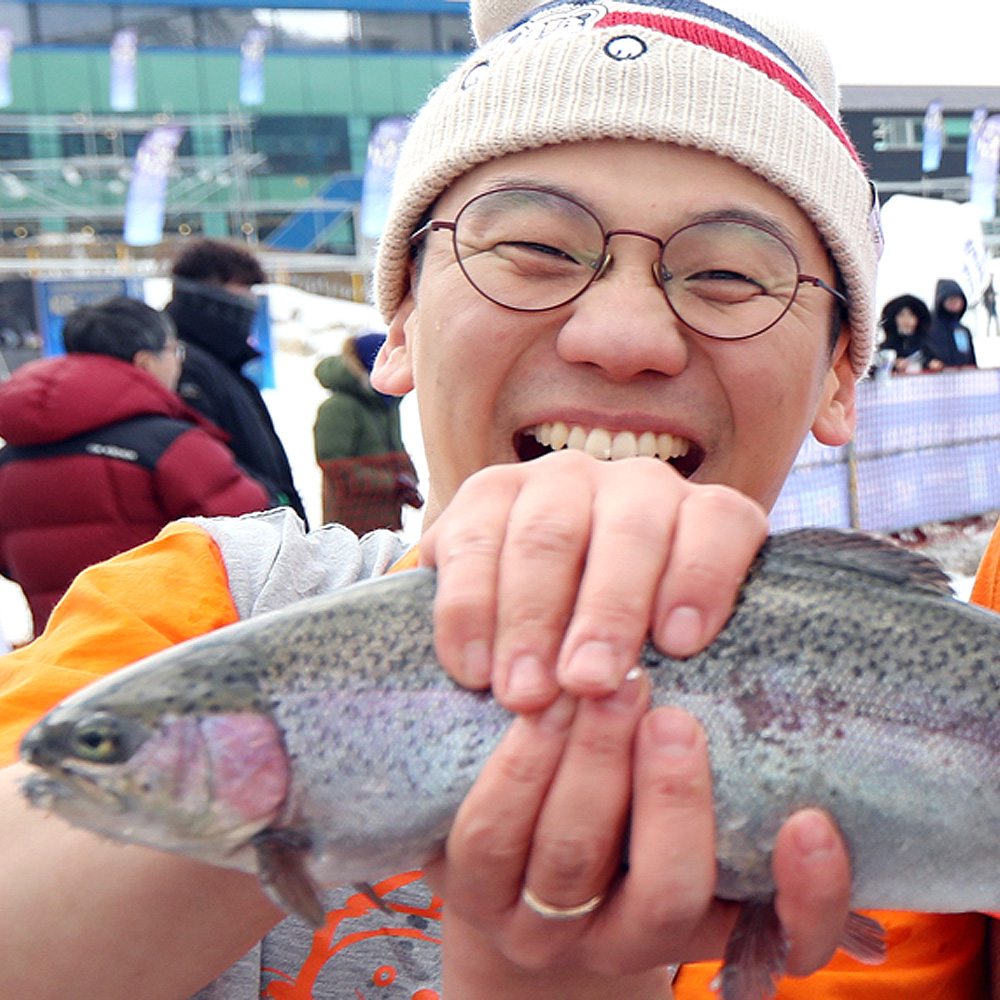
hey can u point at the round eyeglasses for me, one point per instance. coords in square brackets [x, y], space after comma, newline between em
[532, 250]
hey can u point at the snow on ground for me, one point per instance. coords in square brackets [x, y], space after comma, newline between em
[307, 328]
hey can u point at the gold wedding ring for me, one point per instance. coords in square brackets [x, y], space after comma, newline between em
[560, 912]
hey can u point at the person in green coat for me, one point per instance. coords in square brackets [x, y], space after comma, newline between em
[367, 475]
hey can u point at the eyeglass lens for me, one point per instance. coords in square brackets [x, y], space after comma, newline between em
[534, 250]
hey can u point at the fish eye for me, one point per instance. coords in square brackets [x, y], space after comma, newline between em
[99, 740]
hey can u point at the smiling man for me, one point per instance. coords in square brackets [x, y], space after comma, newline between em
[626, 231]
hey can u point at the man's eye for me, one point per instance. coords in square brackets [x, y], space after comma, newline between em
[531, 248]
[728, 286]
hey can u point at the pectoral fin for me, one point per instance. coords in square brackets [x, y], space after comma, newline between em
[281, 868]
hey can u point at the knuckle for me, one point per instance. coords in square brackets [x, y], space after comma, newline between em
[731, 506]
[541, 534]
[486, 844]
[572, 860]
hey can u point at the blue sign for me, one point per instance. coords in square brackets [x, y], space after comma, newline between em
[56, 298]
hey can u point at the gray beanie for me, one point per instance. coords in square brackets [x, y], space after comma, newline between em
[724, 78]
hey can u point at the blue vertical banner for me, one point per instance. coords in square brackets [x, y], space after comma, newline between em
[933, 137]
[983, 186]
[976, 124]
[380, 164]
[252, 66]
[6, 51]
[147, 193]
[124, 47]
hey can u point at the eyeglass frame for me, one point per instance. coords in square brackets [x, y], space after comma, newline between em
[605, 259]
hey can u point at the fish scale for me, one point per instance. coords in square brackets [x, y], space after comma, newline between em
[847, 678]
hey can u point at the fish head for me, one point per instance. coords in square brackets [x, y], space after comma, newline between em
[178, 764]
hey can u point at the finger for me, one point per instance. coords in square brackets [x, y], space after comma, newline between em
[632, 527]
[464, 544]
[716, 538]
[545, 546]
[578, 846]
[665, 910]
[813, 877]
[490, 839]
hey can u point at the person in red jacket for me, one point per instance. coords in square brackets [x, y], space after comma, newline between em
[101, 453]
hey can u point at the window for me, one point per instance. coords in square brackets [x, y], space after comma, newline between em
[303, 144]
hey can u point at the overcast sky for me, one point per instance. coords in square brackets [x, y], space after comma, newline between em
[886, 41]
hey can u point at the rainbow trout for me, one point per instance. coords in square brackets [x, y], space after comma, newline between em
[322, 744]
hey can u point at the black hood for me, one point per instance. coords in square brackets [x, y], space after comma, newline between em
[214, 319]
[895, 306]
[946, 287]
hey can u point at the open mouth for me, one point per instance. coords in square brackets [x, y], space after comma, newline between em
[533, 442]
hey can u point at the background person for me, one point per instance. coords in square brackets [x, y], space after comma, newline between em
[905, 323]
[367, 475]
[557, 258]
[949, 343]
[213, 308]
[101, 453]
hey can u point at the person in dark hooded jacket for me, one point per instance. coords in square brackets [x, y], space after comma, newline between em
[949, 343]
[367, 475]
[213, 308]
[905, 323]
[101, 453]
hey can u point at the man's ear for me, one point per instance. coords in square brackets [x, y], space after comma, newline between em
[835, 416]
[392, 373]
[146, 360]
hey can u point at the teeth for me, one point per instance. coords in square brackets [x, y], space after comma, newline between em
[601, 443]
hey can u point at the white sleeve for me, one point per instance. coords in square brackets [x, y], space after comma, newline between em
[272, 561]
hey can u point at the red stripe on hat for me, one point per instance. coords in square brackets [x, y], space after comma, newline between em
[727, 45]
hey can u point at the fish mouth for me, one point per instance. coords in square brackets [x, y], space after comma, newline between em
[607, 445]
[61, 787]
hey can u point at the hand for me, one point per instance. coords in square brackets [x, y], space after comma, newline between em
[406, 490]
[552, 573]
[533, 819]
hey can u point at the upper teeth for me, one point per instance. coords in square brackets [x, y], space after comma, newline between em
[601, 443]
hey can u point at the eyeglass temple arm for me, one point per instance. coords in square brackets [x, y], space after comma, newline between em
[811, 279]
[430, 226]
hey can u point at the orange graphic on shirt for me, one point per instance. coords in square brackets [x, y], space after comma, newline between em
[326, 945]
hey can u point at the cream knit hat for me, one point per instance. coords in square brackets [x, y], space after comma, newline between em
[727, 79]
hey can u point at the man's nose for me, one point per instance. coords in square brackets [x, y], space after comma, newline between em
[623, 321]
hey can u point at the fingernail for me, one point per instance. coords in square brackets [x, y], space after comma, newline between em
[476, 663]
[813, 836]
[673, 732]
[527, 677]
[682, 632]
[592, 666]
[558, 716]
[628, 693]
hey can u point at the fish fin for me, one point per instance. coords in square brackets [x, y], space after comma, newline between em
[281, 856]
[755, 954]
[864, 939]
[368, 891]
[832, 548]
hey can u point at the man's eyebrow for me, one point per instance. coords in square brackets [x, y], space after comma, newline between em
[763, 220]
[754, 218]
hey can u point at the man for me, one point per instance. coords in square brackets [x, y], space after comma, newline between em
[101, 452]
[619, 231]
[213, 307]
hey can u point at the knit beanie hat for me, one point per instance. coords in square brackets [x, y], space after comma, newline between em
[720, 77]
[366, 347]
